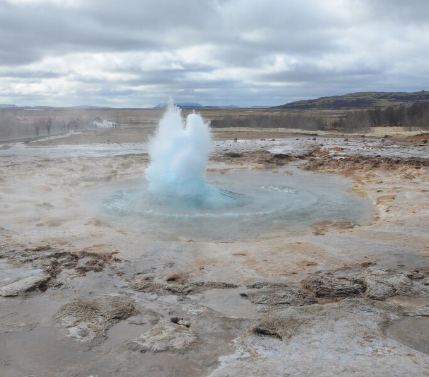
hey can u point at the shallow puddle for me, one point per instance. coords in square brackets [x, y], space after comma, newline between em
[411, 331]
[229, 303]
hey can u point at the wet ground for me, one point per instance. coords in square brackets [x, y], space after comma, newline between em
[94, 293]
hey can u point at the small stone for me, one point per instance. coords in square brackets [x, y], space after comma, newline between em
[184, 323]
[24, 285]
[175, 319]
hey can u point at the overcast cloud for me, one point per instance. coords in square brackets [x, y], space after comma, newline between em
[135, 53]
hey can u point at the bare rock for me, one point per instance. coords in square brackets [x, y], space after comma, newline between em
[52, 260]
[326, 284]
[88, 320]
[374, 283]
[179, 289]
[421, 311]
[377, 290]
[381, 284]
[25, 285]
[340, 339]
[269, 296]
[166, 336]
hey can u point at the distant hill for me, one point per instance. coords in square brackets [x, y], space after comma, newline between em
[6, 106]
[358, 101]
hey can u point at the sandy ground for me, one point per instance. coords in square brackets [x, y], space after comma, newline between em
[81, 295]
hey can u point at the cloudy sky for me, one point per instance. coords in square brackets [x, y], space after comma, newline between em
[137, 53]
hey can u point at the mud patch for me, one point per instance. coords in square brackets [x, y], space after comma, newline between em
[165, 336]
[351, 164]
[53, 261]
[261, 159]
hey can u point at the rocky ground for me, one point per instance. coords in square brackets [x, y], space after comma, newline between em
[83, 296]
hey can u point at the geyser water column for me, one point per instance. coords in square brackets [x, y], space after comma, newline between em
[178, 158]
[178, 155]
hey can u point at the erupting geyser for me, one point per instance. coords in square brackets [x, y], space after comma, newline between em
[178, 155]
[178, 159]
[176, 199]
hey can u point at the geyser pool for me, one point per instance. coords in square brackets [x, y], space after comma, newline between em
[264, 204]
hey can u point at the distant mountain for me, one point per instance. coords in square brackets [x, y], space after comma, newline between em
[183, 105]
[38, 107]
[6, 106]
[222, 107]
[193, 105]
[85, 107]
[358, 101]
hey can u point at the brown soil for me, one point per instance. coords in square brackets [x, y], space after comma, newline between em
[361, 164]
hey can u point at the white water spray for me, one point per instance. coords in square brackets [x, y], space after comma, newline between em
[178, 155]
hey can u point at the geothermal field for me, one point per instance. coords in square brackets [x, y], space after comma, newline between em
[176, 250]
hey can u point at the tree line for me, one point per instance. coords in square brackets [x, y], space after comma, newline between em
[411, 117]
[281, 120]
